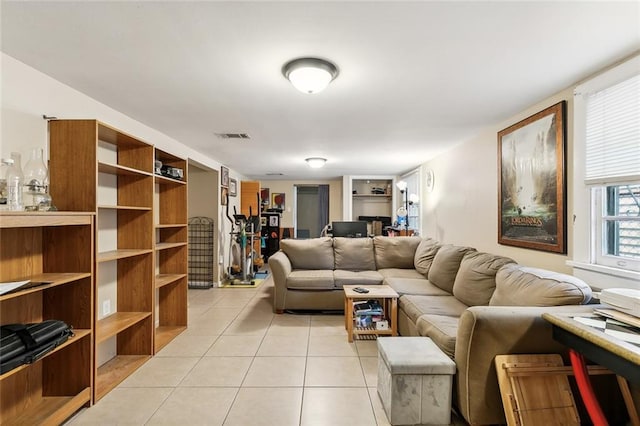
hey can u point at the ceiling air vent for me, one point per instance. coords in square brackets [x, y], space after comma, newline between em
[233, 135]
[275, 174]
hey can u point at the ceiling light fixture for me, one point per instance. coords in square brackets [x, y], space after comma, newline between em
[315, 162]
[310, 75]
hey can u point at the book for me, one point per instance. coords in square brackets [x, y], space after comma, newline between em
[371, 307]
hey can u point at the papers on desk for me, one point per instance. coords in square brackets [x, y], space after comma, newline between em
[620, 316]
[12, 286]
[612, 327]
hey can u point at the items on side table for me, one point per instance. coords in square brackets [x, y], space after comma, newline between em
[364, 311]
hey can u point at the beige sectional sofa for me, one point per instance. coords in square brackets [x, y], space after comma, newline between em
[473, 305]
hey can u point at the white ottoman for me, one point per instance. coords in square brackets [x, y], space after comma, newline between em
[414, 381]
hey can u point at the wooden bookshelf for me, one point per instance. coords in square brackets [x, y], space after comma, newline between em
[114, 179]
[55, 248]
[171, 251]
[110, 374]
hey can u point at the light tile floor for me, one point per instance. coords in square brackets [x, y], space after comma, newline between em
[240, 364]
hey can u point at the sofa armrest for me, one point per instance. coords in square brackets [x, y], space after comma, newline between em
[487, 331]
[280, 267]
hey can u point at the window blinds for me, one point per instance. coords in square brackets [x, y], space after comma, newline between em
[612, 133]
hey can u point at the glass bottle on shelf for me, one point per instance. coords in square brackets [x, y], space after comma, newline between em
[35, 177]
[3, 183]
[14, 185]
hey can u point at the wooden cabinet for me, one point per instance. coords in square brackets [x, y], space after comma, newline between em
[94, 167]
[250, 205]
[55, 248]
[170, 251]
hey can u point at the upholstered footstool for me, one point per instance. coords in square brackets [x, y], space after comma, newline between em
[414, 381]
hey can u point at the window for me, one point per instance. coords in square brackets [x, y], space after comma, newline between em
[617, 226]
[608, 123]
[413, 198]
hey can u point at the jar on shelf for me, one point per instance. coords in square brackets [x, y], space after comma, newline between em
[14, 185]
[3, 183]
[36, 190]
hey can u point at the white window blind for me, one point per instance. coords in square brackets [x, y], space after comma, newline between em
[613, 133]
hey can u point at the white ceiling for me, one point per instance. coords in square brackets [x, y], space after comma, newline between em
[415, 77]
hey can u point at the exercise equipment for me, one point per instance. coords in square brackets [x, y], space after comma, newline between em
[243, 232]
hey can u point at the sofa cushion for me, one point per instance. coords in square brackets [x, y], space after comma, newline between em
[476, 277]
[319, 279]
[316, 253]
[442, 329]
[354, 254]
[445, 266]
[425, 252]
[415, 306]
[518, 285]
[414, 286]
[395, 252]
[342, 277]
[401, 273]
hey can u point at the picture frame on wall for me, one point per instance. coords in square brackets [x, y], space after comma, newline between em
[532, 182]
[224, 177]
[278, 200]
[224, 195]
[264, 198]
[233, 187]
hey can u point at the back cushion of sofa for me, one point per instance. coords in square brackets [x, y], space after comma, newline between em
[518, 285]
[395, 252]
[476, 278]
[315, 253]
[425, 253]
[354, 254]
[445, 266]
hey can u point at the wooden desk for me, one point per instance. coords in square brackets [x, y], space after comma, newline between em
[621, 357]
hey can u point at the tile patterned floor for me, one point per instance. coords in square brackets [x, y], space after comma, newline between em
[239, 364]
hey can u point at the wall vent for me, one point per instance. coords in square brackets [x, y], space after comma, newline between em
[233, 136]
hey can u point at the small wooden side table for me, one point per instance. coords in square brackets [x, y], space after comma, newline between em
[388, 299]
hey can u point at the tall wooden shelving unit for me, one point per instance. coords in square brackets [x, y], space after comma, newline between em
[94, 167]
[56, 248]
[171, 251]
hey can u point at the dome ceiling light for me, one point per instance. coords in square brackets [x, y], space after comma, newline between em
[316, 162]
[310, 75]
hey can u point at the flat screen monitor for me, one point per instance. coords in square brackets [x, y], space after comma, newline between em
[355, 229]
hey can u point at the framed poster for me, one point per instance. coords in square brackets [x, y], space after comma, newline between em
[224, 177]
[277, 200]
[233, 187]
[264, 198]
[532, 182]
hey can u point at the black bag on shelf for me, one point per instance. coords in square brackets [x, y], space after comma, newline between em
[27, 343]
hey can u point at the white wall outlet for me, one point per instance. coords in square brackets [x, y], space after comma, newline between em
[106, 307]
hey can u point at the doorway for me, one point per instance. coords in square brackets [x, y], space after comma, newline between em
[203, 202]
[311, 210]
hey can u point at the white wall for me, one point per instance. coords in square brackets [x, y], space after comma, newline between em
[462, 209]
[286, 187]
[27, 95]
